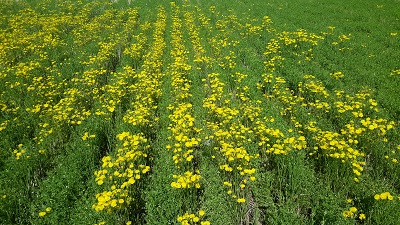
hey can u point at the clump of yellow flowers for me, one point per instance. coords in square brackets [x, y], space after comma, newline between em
[188, 180]
[183, 139]
[191, 219]
[352, 213]
[46, 211]
[122, 170]
[395, 72]
[20, 152]
[337, 75]
[385, 196]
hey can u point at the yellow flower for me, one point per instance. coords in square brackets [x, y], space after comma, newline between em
[347, 214]
[201, 213]
[362, 216]
[48, 209]
[42, 213]
[227, 184]
[384, 195]
[353, 209]
[241, 200]
[114, 203]
[179, 219]
[85, 136]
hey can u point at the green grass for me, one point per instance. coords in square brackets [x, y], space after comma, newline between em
[277, 139]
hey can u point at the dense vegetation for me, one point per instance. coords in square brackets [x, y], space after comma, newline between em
[199, 112]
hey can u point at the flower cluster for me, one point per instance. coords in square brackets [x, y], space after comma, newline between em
[188, 219]
[355, 113]
[385, 196]
[20, 152]
[352, 213]
[187, 180]
[121, 171]
[46, 211]
[395, 72]
[183, 140]
[118, 173]
[229, 136]
[337, 75]
[307, 104]
[148, 81]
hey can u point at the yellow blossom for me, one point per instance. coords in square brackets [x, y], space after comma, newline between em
[241, 200]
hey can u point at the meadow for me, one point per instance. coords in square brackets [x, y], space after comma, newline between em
[200, 112]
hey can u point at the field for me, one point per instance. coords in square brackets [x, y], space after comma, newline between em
[200, 112]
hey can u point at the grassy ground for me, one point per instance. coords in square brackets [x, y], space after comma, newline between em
[199, 112]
